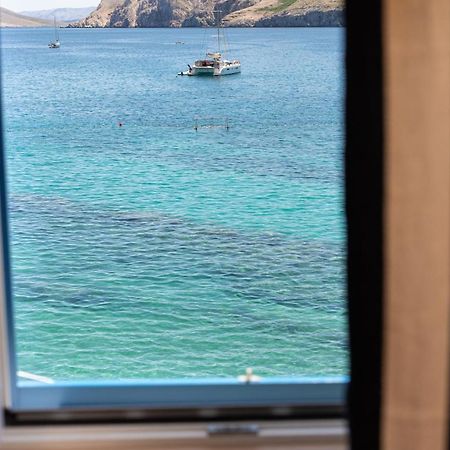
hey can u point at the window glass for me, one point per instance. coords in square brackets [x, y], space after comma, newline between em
[168, 226]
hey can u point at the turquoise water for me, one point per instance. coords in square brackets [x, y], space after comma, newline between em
[154, 250]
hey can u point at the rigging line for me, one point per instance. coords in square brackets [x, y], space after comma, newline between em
[56, 30]
[225, 42]
[218, 24]
[204, 45]
[218, 31]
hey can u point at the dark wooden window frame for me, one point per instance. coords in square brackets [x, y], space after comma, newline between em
[364, 206]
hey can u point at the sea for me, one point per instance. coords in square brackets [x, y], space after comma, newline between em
[166, 226]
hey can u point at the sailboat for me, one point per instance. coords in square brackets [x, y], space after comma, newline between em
[55, 43]
[215, 63]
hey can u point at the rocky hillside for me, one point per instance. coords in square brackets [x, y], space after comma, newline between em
[235, 13]
[11, 19]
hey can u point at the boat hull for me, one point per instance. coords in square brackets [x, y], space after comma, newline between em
[214, 71]
[228, 69]
[201, 71]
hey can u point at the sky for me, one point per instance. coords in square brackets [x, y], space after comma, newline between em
[33, 5]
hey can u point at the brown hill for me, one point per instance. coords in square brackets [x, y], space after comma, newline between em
[11, 19]
[191, 13]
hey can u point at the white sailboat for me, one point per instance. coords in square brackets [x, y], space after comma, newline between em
[56, 43]
[215, 63]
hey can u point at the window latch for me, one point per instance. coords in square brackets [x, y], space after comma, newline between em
[227, 429]
[249, 377]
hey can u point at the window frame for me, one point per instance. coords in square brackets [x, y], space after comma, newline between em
[286, 434]
[178, 394]
[298, 395]
[314, 430]
[364, 190]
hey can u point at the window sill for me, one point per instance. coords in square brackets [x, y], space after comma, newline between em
[294, 434]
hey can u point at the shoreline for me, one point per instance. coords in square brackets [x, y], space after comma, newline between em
[15, 27]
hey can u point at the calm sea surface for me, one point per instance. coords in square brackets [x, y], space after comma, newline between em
[154, 250]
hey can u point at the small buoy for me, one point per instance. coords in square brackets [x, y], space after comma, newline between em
[120, 124]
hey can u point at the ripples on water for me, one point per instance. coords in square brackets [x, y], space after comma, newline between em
[152, 250]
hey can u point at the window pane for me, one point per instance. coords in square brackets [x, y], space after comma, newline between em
[176, 227]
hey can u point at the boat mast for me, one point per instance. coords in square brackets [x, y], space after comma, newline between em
[56, 32]
[218, 29]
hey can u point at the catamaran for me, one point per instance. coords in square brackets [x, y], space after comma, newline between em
[55, 43]
[215, 63]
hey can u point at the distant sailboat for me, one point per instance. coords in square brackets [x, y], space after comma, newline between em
[55, 43]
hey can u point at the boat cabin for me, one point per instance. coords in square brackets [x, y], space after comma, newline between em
[204, 63]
